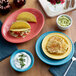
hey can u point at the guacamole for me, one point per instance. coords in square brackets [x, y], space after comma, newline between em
[64, 21]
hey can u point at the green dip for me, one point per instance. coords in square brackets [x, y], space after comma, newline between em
[64, 21]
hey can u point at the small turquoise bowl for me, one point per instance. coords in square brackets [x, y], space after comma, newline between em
[12, 60]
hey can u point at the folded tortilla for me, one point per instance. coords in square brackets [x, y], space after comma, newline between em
[20, 26]
[27, 16]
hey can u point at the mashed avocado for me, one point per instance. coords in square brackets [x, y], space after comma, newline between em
[64, 21]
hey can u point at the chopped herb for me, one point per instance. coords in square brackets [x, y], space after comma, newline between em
[21, 59]
[22, 55]
[22, 64]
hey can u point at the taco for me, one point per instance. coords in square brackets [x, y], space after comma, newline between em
[20, 29]
[27, 16]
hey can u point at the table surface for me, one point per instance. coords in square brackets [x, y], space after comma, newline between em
[39, 68]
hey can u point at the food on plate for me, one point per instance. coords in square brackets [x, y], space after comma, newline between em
[64, 21]
[20, 29]
[19, 3]
[56, 5]
[55, 45]
[5, 7]
[27, 16]
[22, 60]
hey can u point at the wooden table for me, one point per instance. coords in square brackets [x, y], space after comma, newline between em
[39, 68]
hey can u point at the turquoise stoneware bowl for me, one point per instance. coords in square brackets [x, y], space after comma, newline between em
[12, 60]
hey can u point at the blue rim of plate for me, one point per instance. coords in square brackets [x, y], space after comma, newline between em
[48, 60]
[12, 62]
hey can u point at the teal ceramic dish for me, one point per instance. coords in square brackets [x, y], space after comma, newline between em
[12, 60]
[46, 59]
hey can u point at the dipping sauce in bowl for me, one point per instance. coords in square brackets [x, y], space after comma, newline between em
[22, 60]
[64, 22]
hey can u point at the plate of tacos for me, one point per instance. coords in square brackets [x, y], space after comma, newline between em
[22, 25]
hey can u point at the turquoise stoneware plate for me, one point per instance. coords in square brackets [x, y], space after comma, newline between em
[12, 60]
[48, 60]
